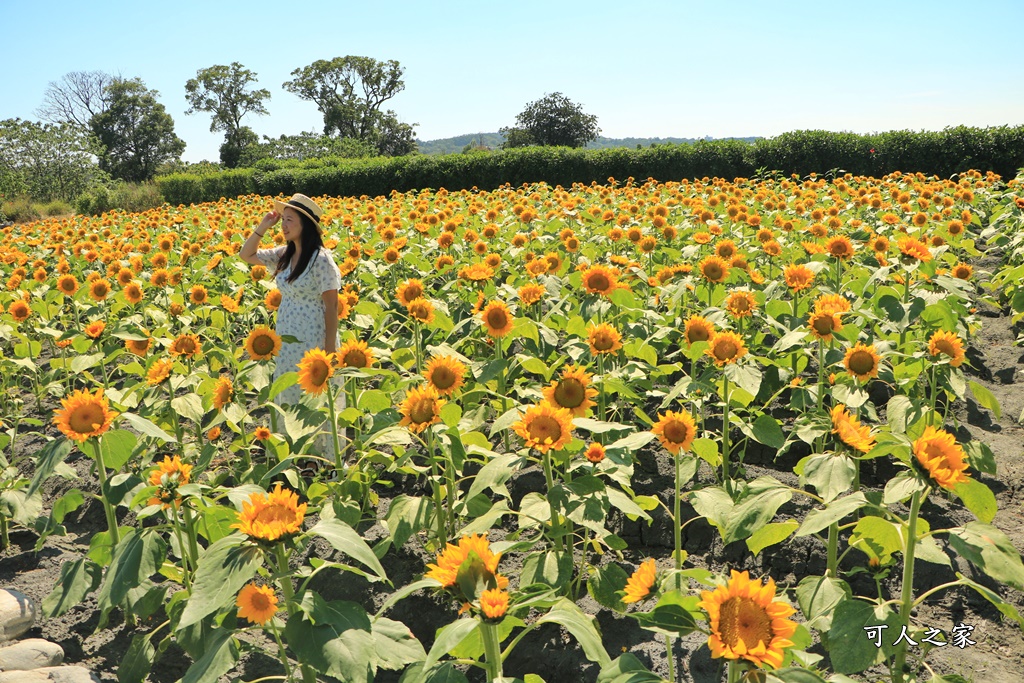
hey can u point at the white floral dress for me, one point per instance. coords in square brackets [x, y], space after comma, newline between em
[301, 315]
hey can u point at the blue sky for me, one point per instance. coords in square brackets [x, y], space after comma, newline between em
[660, 69]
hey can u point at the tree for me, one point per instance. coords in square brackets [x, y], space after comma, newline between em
[222, 91]
[306, 145]
[349, 92]
[135, 130]
[45, 161]
[76, 98]
[552, 120]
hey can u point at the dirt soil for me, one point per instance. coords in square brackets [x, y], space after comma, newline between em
[997, 656]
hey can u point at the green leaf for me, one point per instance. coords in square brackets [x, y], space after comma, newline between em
[627, 669]
[989, 549]
[744, 376]
[770, 534]
[46, 461]
[138, 660]
[448, 638]
[985, 398]
[493, 476]
[707, 450]
[533, 365]
[224, 568]
[1006, 608]
[505, 421]
[443, 672]
[768, 431]
[599, 427]
[752, 513]
[816, 520]
[189, 406]
[671, 620]
[633, 442]
[818, 597]
[604, 585]
[77, 579]
[793, 674]
[220, 656]
[451, 413]
[408, 515]
[146, 427]
[137, 557]
[978, 498]
[472, 646]
[394, 644]
[333, 637]
[552, 568]
[851, 650]
[117, 446]
[901, 487]
[876, 537]
[831, 475]
[374, 401]
[582, 626]
[344, 538]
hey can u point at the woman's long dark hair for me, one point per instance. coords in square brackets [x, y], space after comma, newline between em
[311, 244]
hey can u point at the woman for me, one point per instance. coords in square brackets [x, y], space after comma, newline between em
[308, 279]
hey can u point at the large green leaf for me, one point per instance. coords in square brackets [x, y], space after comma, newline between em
[816, 520]
[333, 637]
[626, 669]
[447, 638]
[77, 579]
[138, 660]
[605, 583]
[770, 534]
[850, 648]
[978, 498]
[582, 626]
[408, 515]
[220, 656]
[831, 475]
[989, 549]
[146, 427]
[224, 568]
[877, 538]
[768, 431]
[443, 672]
[669, 619]
[818, 597]
[344, 538]
[117, 447]
[551, 567]
[985, 398]
[1006, 608]
[46, 461]
[793, 674]
[136, 558]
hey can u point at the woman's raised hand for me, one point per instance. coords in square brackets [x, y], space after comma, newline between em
[269, 220]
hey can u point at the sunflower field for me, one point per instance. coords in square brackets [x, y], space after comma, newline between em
[747, 430]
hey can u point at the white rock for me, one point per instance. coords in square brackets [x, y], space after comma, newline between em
[17, 614]
[31, 653]
[50, 674]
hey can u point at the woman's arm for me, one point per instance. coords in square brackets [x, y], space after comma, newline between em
[330, 320]
[251, 246]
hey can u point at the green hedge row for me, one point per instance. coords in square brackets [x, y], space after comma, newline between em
[941, 153]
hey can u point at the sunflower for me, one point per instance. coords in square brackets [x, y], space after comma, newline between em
[272, 300]
[409, 291]
[948, 344]
[169, 474]
[798, 276]
[698, 329]
[962, 271]
[726, 347]
[421, 408]
[840, 246]
[159, 371]
[545, 427]
[84, 415]
[67, 284]
[600, 280]
[497, 318]
[741, 303]
[714, 269]
[315, 368]
[421, 310]
[531, 293]
[99, 289]
[747, 622]
[262, 343]
[640, 582]
[451, 558]
[222, 393]
[271, 517]
[944, 459]
[572, 392]
[850, 430]
[445, 374]
[139, 347]
[213, 434]
[676, 431]
[862, 361]
[595, 453]
[355, 354]
[822, 324]
[185, 345]
[914, 250]
[256, 603]
[494, 603]
[476, 272]
[832, 303]
[133, 292]
[604, 338]
[94, 329]
[261, 433]
[198, 295]
[19, 310]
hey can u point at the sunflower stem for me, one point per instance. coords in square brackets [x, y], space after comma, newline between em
[186, 560]
[499, 356]
[281, 653]
[108, 509]
[671, 659]
[439, 510]
[550, 481]
[907, 596]
[725, 434]
[338, 465]
[285, 581]
[833, 550]
[677, 529]
[4, 538]
[934, 385]
[600, 396]
[492, 650]
[821, 374]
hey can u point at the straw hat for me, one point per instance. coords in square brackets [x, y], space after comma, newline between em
[303, 205]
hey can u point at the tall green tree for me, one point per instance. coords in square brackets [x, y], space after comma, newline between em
[552, 120]
[45, 161]
[349, 92]
[224, 92]
[136, 132]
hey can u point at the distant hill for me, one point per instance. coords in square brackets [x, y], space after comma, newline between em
[493, 141]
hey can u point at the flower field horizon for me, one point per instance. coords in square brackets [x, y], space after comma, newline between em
[700, 430]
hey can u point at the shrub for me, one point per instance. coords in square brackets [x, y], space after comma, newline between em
[20, 209]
